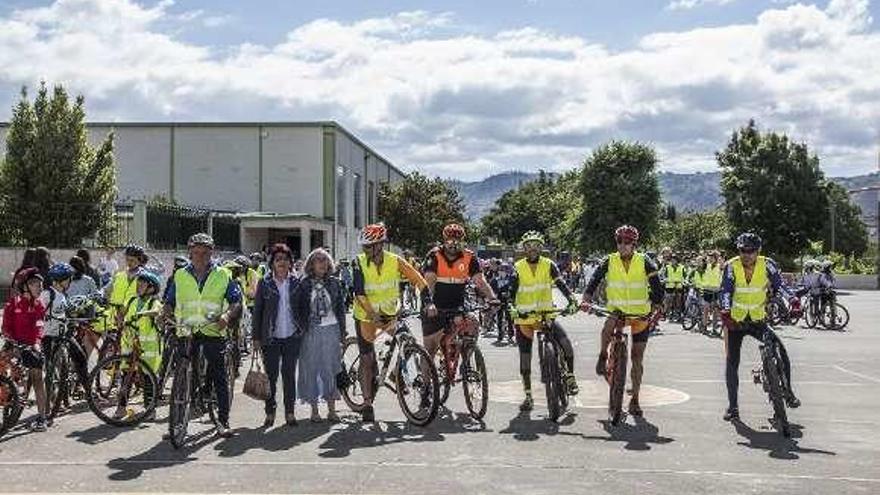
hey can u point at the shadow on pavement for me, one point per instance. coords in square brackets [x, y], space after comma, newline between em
[774, 443]
[103, 432]
[527, 429]
[274, 439]
[637, 436]
[160, 455]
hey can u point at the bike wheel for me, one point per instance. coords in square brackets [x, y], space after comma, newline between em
[179, 405]
[10, 404]
[475, 382]
[811, 315]
[353, 394]
[136, 391]
[775, 389]
[57, 374]
[835, 317]
[443, 378]
[775, 312]
[416, 381]
[616, 382]
[691, 317]
[550, 374]
[231, 362]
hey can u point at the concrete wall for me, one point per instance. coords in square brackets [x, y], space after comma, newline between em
[293, 180]
[143, 159]
[856, 282]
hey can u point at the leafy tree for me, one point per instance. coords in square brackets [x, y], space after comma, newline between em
[773, 187]
[417, 208]
[697, 231]
[850, 235]
[55, 189]
[618, 186]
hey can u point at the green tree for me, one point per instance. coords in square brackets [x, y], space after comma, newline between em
[618, 186]
[773, 187]
[850, 235]
[696, 231]
[55, 189]
[417, 208]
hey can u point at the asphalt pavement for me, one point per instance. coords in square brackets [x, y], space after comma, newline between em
[680, 446]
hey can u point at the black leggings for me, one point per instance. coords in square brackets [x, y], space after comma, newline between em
[734, 346]
[525, 348]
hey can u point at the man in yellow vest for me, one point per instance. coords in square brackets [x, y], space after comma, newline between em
[633, 288]
[673, 274]
[532, 289]
[123, 285]
[744, 284]
[200, 291]
[376, 275]
[711, 285]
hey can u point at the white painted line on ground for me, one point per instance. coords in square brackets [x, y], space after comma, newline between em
[799, 383]
[435, 465]
[860, 375]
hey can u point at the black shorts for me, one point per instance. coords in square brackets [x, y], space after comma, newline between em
[674, 290]
[641, 336]
[710, 296]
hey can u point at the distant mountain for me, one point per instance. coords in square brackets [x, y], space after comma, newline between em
[697, 191]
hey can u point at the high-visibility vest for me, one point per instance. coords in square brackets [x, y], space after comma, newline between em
[674, 276]
[627, 291]
[249, 278]
[382, 288]
[712, 277]
[698, 279]
[535, 290]
[749, 297]
[148, 334]
[192, 306]
[123, 289]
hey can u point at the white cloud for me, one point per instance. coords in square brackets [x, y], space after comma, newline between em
[692, 4]
[425, 92]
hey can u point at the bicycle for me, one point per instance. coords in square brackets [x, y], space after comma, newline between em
[191, 394]
[413, 375]
[779, 311]
[618, 355]
[132, 379]
[771, 375]
[503, 321]
[15, 385]
[551, 357]
[824, 310]
[457, 344]
[66, 362]
[692, 316]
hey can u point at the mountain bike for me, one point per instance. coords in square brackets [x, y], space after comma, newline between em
[66, 374]
[823, 309]
[554, 368]
[15, 385]
[771, 376]
[404, 368]
[471, 370]
[503, 321]
[692, 315]
[133, 384]
[618, 355]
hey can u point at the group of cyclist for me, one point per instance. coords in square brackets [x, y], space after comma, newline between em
[212, 297]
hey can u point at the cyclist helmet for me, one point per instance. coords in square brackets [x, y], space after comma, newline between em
[201, 239]
[60, 271]
[134, 251]
[532, 236]
[453, 231]
[243, 261]
[150, 278]
[748, 241]
[258, 257]
[26, 276]
[180, 261]
[373, 234]
[626, 233]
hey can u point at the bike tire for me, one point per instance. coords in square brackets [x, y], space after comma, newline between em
[775, 390]
[475, 382]
[11, 405]
[775, 312]
[811, 318]
[56, 380]
[550, 373]
[617, 382]
[180, 404]
[146, 375]
[691, 317]
[442, 376]
[427, 381]
[835, 317]
[231, 363]
[352, 394]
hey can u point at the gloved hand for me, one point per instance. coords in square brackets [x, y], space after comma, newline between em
[727, 320]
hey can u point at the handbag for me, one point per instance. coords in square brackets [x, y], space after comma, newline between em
[343, 380]
[256, 384]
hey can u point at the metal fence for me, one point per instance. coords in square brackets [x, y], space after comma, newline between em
[226, 231]
[169, 226]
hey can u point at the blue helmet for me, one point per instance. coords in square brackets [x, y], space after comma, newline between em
[60, 271]
[150, 278]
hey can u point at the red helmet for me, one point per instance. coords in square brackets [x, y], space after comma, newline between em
[373, 234]
[626, 233]
[453, 231]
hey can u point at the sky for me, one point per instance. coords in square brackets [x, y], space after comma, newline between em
[465, 89]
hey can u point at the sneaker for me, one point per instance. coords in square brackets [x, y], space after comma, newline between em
[269, 421]
[600, 364]
[315, 418]
[792, 402]
[290, 419]
[572, 384]
[223, 431]
[367, 414]
[634, 409]
[39, 425]
[731, 414]
[333, 417]
[527, 404]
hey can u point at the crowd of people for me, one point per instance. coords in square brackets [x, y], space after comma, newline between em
[296, 310]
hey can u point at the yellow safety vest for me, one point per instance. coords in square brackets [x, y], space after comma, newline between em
[249, 278]
[535, 290]
[699, 279]
[192, 306]
[382, 288]
[674, 276]
[749, 297]
[712, 277]
[627, 291]
[148, 334]
[123, 289]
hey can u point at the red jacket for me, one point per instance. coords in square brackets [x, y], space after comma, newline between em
[23, 320]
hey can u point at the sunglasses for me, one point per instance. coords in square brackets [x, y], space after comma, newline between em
[748, 251]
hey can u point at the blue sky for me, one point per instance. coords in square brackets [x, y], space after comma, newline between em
[467, 89]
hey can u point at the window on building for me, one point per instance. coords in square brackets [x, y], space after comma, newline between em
[371, 201]
[358, 207]
[340, 196]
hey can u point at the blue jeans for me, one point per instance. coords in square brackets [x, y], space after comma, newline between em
[281, 355]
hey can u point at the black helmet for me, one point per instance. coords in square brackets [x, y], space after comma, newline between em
[748, 241]
[134, 250]
[180, 261]
[243, 261]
